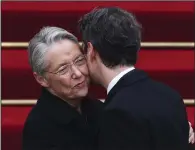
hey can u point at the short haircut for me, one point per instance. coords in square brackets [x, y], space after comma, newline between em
[40, 44]
[114, 33]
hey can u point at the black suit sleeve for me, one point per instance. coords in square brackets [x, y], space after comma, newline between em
[120, 131]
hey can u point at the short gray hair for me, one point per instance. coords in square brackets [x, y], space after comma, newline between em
[40, 43]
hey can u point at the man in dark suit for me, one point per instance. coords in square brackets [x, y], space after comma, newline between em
[139, 113]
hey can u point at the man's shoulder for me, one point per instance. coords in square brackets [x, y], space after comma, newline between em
[145, 97]
[146, 89]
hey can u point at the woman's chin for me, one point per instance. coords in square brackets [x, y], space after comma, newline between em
[79, 93]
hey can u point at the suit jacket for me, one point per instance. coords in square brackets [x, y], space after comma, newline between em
[55, 125]
[142, 114]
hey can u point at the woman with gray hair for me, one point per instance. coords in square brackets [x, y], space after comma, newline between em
[64, 117]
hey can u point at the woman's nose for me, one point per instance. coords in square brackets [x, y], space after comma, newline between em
[76, 73]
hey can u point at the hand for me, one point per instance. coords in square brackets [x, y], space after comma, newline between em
[191, 134]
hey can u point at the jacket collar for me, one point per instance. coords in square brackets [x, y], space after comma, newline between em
[128, 79]
[57, 108]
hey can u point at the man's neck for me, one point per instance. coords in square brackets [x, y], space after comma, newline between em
[109, 74]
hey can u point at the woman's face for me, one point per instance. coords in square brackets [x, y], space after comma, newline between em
[67, 73]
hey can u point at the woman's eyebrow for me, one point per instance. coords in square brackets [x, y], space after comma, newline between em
[60, 65]
[65, 63]
[77, 57]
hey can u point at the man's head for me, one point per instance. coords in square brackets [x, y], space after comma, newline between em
[58, 63]
[111, 36]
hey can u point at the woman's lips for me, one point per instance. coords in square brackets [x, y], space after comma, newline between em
[80, 85]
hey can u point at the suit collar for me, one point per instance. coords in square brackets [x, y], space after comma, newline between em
[117, 78]
[128, 79]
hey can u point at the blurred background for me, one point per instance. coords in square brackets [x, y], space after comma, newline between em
[167, 52]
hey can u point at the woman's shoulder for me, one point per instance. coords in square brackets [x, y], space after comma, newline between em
[97, 103]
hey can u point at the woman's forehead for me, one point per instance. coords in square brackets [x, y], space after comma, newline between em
[63, 52]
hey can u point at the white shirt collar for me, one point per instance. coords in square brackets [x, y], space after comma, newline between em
[117, 78]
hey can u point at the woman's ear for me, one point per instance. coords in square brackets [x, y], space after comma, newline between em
[41, 80]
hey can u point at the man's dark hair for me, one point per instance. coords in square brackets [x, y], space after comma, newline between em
[114, 33]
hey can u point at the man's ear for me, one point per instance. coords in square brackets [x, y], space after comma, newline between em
[41, 80]
[91, 53]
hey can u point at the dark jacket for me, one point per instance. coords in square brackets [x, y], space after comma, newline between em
[55, 125]
[142, 114]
